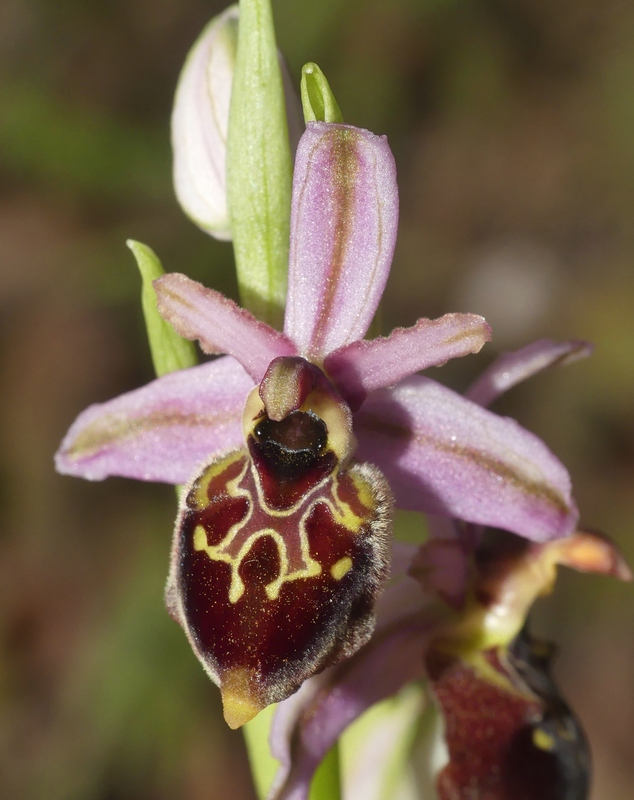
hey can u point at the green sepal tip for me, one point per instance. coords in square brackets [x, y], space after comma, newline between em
[318, 101]
[170, 352]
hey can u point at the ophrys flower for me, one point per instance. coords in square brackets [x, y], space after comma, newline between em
[280, 547]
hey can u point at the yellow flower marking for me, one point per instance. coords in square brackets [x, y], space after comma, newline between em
[212, 471]
[261, 520]
[341, 568]
[543, 740]
[237, 588]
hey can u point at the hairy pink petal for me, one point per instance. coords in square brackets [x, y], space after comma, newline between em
[163, 431]
[343, 231]
[219, 324]
[443, 454]
[442, 567]
[512, 368]
[362, 367]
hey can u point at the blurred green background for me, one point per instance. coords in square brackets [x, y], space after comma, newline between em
[512, 123]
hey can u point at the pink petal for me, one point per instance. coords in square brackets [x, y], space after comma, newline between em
[219, 324]
[163, 431]
[443, 454]
[307, 724]
[362, 367]
[512, 368]
[442, 567]
[343, 231]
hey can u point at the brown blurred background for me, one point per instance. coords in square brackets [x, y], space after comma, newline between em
[512, 123]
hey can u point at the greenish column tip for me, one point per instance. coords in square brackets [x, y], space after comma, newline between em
[170, 352]
[318, 101]
[259, 166]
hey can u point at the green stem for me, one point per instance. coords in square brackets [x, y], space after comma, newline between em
[259, 167]
[327, 781]
[256, 737]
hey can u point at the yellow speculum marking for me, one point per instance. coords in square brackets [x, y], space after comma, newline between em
[237, 588]
[341, 568]
[212, 471]
[342, 513]
[543, 740]
[234, 552]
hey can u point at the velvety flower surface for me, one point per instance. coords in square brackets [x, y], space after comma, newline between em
[279, 424]
[504, 731]
[339, 266]
[454, 612]
[507, 730]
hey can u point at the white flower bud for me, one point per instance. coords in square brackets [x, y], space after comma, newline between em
[200, 121]
[199, 125]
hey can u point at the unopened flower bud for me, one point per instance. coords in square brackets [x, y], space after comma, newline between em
[199, 125]
[200, 122]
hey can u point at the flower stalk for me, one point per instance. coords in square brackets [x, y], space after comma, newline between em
[263, 766]
[326, 784]
[259, 167]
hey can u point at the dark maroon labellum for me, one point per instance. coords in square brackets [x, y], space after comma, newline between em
[279, 554]
[509, 734]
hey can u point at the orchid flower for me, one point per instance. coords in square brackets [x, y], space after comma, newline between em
[454, 613]
[266, 440]
[291, 448]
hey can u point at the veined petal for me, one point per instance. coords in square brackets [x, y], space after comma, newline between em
[343, 230]
[219, 324]
[363, 366]
[163, 431]
[308, 724]
[515, 367]
[445, 455]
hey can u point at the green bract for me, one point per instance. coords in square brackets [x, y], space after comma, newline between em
[170, 352]
[318, 101]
